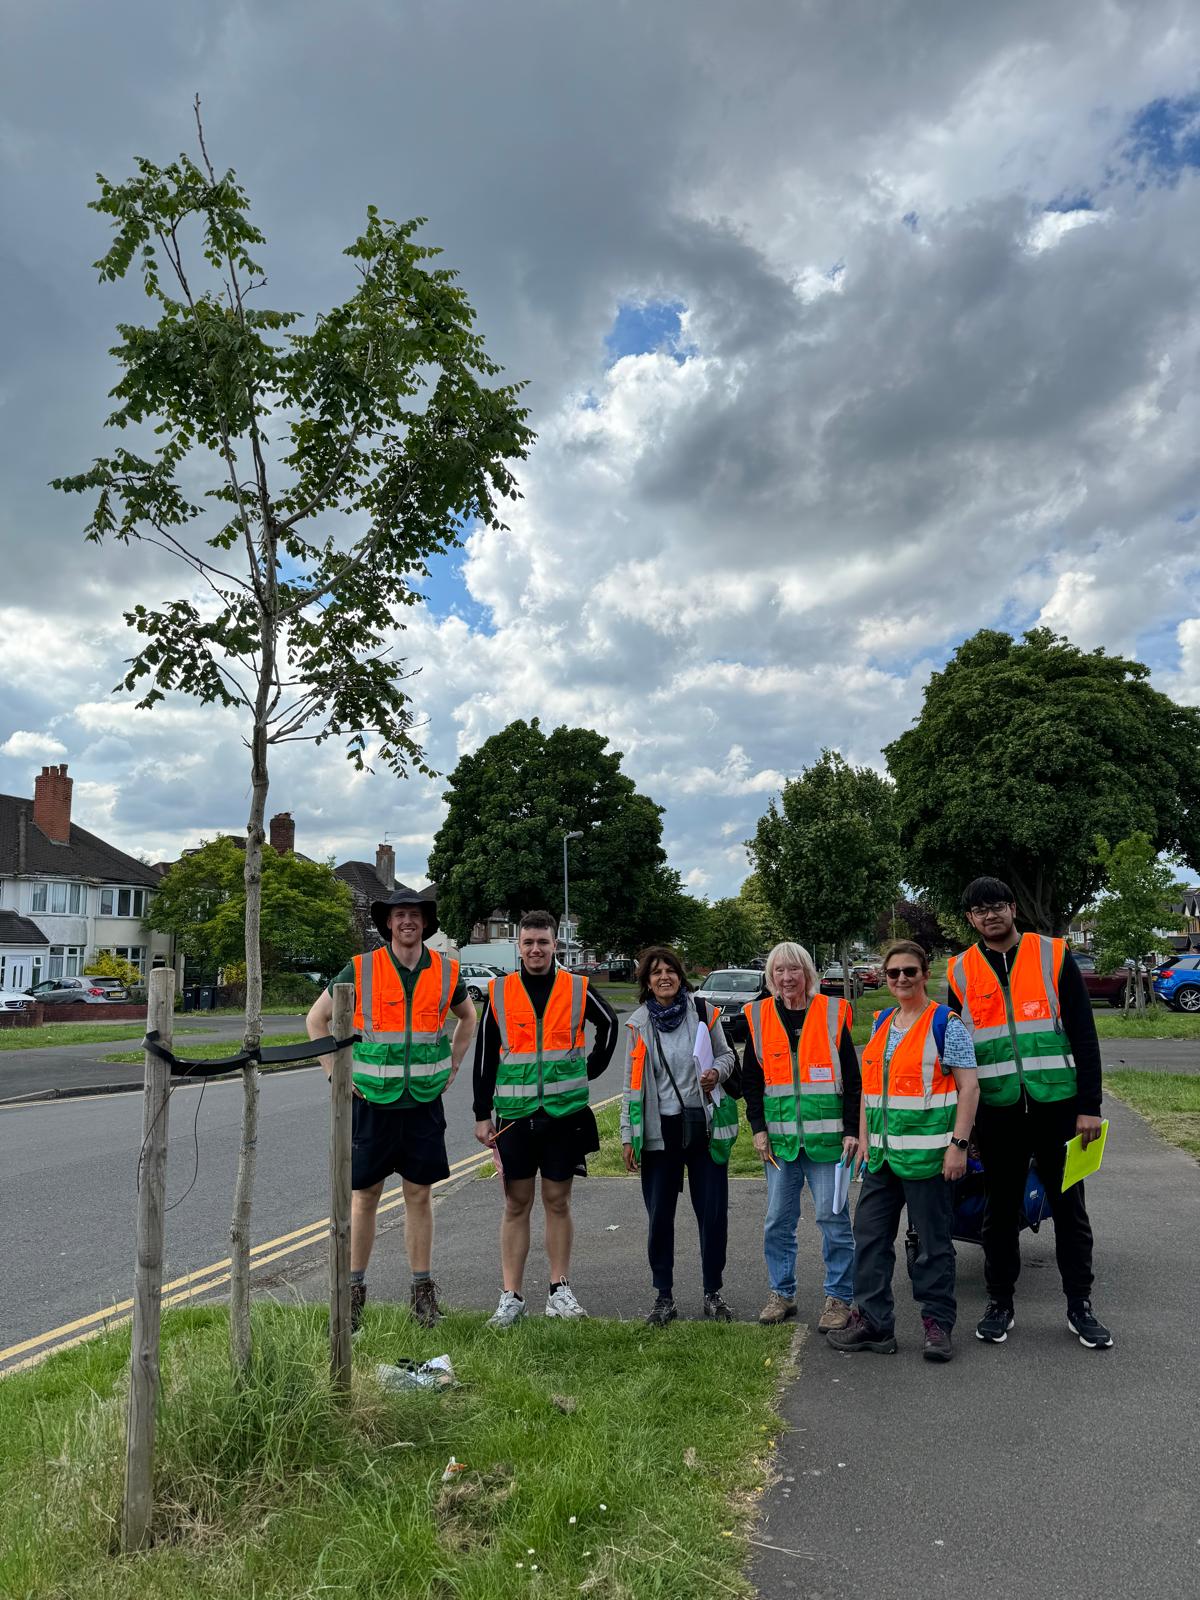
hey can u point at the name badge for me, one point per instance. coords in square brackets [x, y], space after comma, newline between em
[821, 1074]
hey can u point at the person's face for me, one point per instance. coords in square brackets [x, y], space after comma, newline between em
[664, 982]
[905, 976]
[406, 924]
[994, 923]
[790, 980]
[536, 948]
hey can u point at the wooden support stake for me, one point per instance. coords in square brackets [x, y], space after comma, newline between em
[138, 1509]
[341, 1114]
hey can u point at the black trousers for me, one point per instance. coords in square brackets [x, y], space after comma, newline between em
[1007, 1136]
[876, 1220]
[708, 1186]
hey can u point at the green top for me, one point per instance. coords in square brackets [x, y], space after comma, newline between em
[408, 977]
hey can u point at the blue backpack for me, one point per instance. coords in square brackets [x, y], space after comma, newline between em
[940, 1018]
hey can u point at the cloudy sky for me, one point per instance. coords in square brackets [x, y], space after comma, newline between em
[849, 329]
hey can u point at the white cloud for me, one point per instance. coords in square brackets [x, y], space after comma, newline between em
[23, 744]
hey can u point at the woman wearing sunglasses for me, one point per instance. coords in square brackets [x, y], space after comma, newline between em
[918, 1105]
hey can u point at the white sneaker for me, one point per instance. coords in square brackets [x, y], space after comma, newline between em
[562, 1303]
[510, 1310]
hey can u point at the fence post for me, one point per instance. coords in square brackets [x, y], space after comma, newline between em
[148, 1273]
[341, 1112]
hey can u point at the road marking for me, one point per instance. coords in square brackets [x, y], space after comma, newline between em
[204, 1279]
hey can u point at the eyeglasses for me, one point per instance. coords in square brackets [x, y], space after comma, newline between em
[893, 973]
[993, 909]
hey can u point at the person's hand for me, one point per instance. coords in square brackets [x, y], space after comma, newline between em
[485, 1132]
[630, 1159]
[849, 1150]
[954, 1163]
[762, 1145]
[453, 1075]
[709, 1078]
[1088, 1128]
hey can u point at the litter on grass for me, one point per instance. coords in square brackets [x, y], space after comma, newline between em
[435, 1374]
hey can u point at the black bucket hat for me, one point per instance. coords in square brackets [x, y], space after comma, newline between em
[404, 897]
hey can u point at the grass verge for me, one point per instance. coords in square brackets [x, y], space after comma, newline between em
[603, 1459]
[1158, 1023]
[57, 1033]
[1169, 1101]
[214, 1051]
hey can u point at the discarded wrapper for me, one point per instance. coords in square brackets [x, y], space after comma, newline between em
[435, 1374]
[453, 1468]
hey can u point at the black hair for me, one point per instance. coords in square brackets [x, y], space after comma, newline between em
[537, 919]
[986, 892]
[651, 958]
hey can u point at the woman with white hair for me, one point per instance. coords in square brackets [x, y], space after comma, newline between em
[802, 1088]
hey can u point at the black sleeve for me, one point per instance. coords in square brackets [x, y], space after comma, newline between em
[487, 1062]
[1080, 1026]
[851, 1083]
[952, 1000]
[753, 1086]
[459, 995]
[604, 1019]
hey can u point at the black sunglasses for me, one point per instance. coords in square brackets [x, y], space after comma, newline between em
[901, 972]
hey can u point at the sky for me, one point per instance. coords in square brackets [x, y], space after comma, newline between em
[848, 330]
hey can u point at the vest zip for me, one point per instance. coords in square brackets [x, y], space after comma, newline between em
[794, 1052]
[1012, 1024]
[408, 1034]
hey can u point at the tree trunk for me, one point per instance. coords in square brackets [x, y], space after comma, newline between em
[847, 980]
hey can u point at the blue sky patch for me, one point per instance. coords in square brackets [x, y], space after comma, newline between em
[643, 326]
[1164, 136]
[446, 593]
[1071, 202]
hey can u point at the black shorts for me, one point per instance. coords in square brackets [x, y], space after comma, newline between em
[410, 1140]
[556, 1147]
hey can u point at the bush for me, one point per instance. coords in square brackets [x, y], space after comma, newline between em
[290, 989]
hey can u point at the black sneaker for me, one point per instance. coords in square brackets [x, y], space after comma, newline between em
[423, 1303]
[937, 1346]
[993, 1326]
[858, 1334]
[358, 1299]
[715, 1308]
[664, 1311]
[1084, 1323]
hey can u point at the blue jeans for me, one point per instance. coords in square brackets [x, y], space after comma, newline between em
[784, 1184]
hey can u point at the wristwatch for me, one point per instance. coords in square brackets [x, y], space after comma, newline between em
[959, 1144]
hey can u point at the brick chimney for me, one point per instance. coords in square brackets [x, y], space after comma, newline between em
[52, 803]
[385, 865]
[283, 833]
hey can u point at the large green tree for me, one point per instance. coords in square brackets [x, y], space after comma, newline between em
[1139, 892]
[827, 856]
[509, 805]
[1023, 753]
[307, 913]
[725, 933]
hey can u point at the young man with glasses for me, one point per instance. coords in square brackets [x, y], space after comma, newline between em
[1023, 1000]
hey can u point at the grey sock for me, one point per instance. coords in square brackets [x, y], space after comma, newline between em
[358, 1277]
[421, 1277]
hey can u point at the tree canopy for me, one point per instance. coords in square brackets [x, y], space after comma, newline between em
[1137, 904]
[307, 912]
[1023, 754]
[826, 855]
[725, 933]
[510, 802]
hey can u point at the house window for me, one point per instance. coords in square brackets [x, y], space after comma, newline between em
[135, 954]
[60, 899]
[122, 902]
[66, 961]
[39, 897]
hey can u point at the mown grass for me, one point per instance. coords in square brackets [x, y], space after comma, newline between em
[1169, 1101]
[215, 1050]
[603, 1459]
[1158, 1023]
[57, 1033]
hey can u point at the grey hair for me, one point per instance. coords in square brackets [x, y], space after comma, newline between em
[797, 956]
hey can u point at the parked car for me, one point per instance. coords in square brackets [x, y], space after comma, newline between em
[113, 987]
[832, 981]
[868, 973]
[1102, 986]
[477, 978]
[14, 1000]
[729, 990]
[1177, 982]
[70, 991]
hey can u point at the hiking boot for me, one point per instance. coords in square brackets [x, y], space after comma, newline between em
[937, 1345]
[358, 1299]
[779, 1308]
[664, 1311]
[715, 1308]
[510, 1311]
[835, 1315]
[997, 1319]
[1083, 1322]
[561, 1302]
[858, 1334]
[423, 1303]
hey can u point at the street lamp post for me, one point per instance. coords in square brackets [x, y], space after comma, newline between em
[567, 837]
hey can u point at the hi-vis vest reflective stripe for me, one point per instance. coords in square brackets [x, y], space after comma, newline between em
[400, 1050]
[910, 1116]
[542, 1060]
[1018, 1031]
[722, 1119]
[807, 1079]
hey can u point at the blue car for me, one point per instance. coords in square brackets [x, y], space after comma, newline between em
[1177, 983]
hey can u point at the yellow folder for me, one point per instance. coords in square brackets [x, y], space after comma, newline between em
[1081, 1163]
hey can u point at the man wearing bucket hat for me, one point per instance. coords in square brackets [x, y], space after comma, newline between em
[403, 1064]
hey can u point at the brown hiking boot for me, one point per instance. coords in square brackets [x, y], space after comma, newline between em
[778, 1308]
[835, 1315]
[358, 1299]
[424, 1304]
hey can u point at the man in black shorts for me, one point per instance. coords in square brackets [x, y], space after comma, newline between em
[404, 1063]
[532, 1073]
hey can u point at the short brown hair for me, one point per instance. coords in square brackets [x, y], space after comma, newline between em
[906, 947]
[649, 959]
[537, 919]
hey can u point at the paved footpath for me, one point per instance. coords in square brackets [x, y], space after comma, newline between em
[1036, 1469]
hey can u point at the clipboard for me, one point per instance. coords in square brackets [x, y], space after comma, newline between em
[843, 1174]
[1081, 1163]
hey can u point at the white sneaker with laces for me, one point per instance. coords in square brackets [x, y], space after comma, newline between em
[562, 1303]
[510, 1310]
